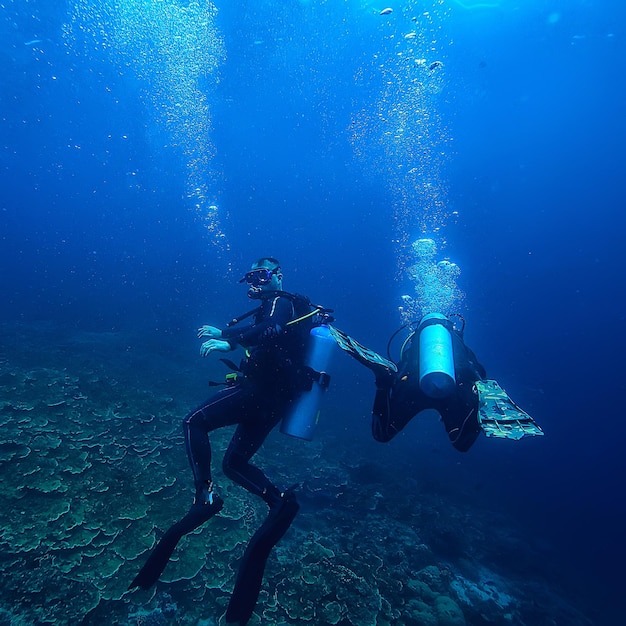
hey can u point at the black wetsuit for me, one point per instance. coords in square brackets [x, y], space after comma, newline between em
[400, 398]
[256, 402]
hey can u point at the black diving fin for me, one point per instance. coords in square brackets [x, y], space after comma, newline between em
[252, 567]
[160, 555]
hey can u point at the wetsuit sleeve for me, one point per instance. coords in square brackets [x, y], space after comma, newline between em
[275, 315]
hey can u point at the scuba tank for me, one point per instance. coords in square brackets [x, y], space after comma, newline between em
[303, 413]
[436, 357]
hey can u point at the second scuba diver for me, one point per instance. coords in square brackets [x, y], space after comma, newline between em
[437, 370]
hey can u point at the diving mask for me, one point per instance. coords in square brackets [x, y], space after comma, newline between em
[260, 276]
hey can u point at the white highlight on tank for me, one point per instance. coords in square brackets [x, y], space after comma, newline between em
[436, 362]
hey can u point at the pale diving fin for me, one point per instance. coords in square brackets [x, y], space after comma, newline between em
[499, 416]
[363, 355]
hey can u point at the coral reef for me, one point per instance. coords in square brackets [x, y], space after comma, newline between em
[93, 472]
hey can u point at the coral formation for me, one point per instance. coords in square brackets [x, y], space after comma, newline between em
[93, 472]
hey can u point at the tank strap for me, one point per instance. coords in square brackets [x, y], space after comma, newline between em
[306, 376]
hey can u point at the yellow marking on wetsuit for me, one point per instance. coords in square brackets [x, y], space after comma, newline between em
[300, 319]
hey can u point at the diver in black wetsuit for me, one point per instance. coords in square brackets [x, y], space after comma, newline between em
[268, 379]
[399, 396]
[256, 402]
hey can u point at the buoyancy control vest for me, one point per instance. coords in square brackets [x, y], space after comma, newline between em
[308, 331]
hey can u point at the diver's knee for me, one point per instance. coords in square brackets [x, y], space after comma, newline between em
[227, 467]
[188, 420]
[187, 427]
[462, 446]
[463, 441]
[381, 438]
[381, 435]
[232, 464]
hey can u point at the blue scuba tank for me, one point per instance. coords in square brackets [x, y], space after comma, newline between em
[303, 414]
[436, 357]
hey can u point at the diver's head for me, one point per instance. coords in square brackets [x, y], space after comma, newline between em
[264, 276]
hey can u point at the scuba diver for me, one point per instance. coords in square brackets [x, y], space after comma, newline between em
[288, 346]
[258, 395]
[437, 370]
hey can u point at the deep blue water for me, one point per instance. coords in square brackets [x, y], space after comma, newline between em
[97, 232]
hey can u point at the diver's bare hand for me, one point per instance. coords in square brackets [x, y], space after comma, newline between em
[212, 332]
[213, 345]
